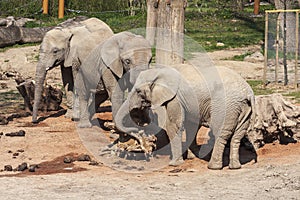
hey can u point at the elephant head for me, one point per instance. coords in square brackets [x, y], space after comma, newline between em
[126, 55]
[61, 46]
[153, 88]
[53, 52]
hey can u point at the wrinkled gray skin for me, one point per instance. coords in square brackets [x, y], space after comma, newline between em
[63, 46]
[108, 64]
[192, 98]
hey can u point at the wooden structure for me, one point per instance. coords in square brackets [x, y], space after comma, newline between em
[165, 23]
[61, 8]
[268, 12]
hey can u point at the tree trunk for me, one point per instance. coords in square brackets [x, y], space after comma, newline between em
[170, 27]
[19, 35]
[290, 23]
[152, 10]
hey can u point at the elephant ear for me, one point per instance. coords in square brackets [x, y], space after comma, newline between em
[163, 84]
[71, 49]
[110, 54]
[75, 42]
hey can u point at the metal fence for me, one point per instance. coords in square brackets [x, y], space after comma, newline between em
[282, 47]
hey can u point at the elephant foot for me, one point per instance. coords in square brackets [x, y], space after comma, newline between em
[234, 165]
[176, 162]
[84, 124]
[215, 165]
[76, 115]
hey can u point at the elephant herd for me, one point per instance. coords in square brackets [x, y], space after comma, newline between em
[98, 65]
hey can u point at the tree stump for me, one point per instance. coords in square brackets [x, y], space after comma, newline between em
[51, 97]
[275, 119]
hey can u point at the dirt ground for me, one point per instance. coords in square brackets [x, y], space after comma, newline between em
[55, 139]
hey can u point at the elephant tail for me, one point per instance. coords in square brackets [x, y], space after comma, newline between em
[253, 113]
[249, 114]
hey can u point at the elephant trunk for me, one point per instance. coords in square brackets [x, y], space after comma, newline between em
[39, 83]
[123, 120]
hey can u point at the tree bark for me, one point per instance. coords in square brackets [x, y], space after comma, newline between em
[276, 119]
[170, 27]
[51, 98]
[19, 35]
[152, 11]
[290, 23]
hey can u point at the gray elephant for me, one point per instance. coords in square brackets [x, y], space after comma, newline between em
[61, 46]
[192, 97]
[110, 65]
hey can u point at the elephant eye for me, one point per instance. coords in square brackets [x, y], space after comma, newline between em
[55, 50]
[127, 61]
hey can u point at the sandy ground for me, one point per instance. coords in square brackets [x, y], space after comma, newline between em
[275, 175]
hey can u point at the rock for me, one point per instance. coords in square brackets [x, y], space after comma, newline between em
[33, 167]
[220, 44]
[68, 159]
[255, 57]
[8, 168]
[16, 154]
[3, 120]
[20, 133]
[84, 157]
[22, 167]
[94, 163]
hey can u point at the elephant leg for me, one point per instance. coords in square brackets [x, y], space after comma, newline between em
[234, 159]
[68, 83]
[83, 95]
[75, 108]
[191, 143]
[216, 160]
[174, 127]
[241, 129]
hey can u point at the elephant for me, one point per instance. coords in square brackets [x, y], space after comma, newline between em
[114, 65]
[61, 46]
[216, 97]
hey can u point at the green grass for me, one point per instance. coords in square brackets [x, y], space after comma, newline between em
[295, 95]
[258, 87]
[240, 57]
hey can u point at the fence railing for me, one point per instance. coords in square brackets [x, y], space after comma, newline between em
[281, 46]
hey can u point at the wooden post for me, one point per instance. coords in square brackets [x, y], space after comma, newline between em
[45, 6]
[266, 49]
[256, 7]
[170, 27]
[277, 50]
[296, 49]
[61, 9]
[152, 7]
